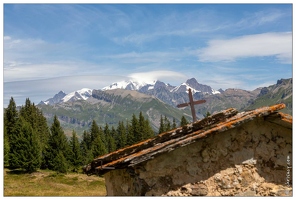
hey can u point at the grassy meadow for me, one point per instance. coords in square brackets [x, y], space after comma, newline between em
[49, 183]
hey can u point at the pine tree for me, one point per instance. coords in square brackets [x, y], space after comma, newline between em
[6, 148]
[24, 150]
[142, 128]
[94, 130]
[98, 145]
[135, 129]
[86, 138]
[76, 157]
[167, 124]
[102, 135]
[35, 118]
[60, 163]
[121, 138]
[10, 119]
[129, 134]
[15, 141]
[86, 146]
[183, 121]
[29, 117]
[148, 131]
[43, 134]
[27, 113]
[110, 142]
[58, 147]
[161, 126]
[33, 155]
[174, 124]
[207, 114]
[98, 148]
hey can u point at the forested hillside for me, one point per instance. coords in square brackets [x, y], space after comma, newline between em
[111, 107]
[30, 144]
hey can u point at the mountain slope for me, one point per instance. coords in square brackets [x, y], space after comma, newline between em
[55, 99]
[230, 98]
[281, 92]
[111, 107]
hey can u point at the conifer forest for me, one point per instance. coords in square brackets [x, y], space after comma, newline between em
[31, 144]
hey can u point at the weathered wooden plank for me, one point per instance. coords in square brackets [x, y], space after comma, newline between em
[147, 154]
[183, 105]
[161, 138]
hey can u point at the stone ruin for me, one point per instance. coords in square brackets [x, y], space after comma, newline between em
[226, 154]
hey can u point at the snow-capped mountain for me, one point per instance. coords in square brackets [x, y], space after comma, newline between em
[156, 87]
[82, 94]
[195, 87]
[130, 85]
[172, 95]
[61, 97]
[165, 92]
[145, 86]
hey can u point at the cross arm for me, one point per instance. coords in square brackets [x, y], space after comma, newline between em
[194, 103]
[199, 102]
[183, 105]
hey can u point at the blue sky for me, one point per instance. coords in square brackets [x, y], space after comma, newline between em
[53, 47]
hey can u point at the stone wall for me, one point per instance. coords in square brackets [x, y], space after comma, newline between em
[250, 160]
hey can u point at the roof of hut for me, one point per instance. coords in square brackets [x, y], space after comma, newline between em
[182, 136]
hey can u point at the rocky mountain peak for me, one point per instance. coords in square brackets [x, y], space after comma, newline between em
[192, 82]
[55, 99]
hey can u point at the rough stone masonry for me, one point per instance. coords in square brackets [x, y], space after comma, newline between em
[248, 154]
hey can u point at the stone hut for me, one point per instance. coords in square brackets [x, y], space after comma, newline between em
[226, 154]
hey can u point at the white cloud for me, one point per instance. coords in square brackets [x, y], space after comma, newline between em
[200, 22]
[278, 45]
[20, 71]
[29, 59]
[261, 18]
[155, 57]
[162, 75]
[43, 89]
[6, 37]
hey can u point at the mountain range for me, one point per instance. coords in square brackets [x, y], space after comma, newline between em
[120, 100]
[165, 92]
[110, 106]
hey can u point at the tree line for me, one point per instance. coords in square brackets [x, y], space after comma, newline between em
[29, 143]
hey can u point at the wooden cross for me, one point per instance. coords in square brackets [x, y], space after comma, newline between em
[191, 103]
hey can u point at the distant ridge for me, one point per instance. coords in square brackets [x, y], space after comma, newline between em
[77, 109]
[165, 92]
[136, 85]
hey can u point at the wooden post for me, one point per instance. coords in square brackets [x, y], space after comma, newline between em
[191, 103]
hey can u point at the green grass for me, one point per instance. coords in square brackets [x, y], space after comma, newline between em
[49, 183]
